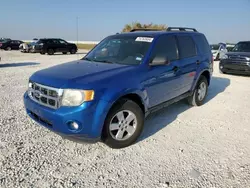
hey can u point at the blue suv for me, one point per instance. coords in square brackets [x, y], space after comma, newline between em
[107, 94]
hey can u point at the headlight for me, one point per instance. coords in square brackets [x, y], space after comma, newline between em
[224, 57]
[248, 58]
[72, 97]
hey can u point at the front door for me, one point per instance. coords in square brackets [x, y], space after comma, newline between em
[162, 81]
[63, 46]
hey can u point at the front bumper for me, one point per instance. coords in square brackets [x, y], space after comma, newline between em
[90, 117]
[235, 67]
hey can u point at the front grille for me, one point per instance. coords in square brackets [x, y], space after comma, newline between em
[44, 95]
[235, 66]
[237, 57]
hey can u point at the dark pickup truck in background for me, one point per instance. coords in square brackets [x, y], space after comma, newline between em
[238, 60]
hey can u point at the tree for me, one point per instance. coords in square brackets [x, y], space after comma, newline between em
[138, 25]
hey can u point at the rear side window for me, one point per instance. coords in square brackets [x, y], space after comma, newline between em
[165, 47]
[186, 46]
[202, 44]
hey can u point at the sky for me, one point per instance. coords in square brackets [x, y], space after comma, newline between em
[219, 20]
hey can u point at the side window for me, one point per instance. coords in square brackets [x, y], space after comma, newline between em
[165, 47]
[62, 42]
[186, 47]
[202, 44]
[55, 41]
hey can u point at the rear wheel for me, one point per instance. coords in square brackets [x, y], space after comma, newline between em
[199, 95]
[123, 124]
[73, 51]
[51, 51]
[8, 48]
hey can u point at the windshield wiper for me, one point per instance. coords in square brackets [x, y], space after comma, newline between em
[88, 59]
[103, 61]
[95, 60]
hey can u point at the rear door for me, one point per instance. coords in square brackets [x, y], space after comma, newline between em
[189, 61]
[163, 81]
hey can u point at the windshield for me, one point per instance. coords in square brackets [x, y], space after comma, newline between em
[242, 47]
[127, 50]
[215, 47]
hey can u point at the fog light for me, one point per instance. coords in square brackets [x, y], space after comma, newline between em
[73, 125]
[221, 67]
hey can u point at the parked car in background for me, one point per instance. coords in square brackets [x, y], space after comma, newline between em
[28, 47]
[10, 44]
[107, 94]
[4, 39]
[32, 47]
[238, 60]
[54, 45]
[230, 47]
[218, 50]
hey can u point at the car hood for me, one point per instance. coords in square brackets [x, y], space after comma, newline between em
[240, 54]
[77, 74]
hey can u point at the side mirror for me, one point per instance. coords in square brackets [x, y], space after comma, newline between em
[159, 61]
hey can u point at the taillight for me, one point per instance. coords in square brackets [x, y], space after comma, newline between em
[212, 64]
[0, 44]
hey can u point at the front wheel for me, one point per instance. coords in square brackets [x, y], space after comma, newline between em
[123, 124]
[51, 51]
[73, 51]
[199, 95]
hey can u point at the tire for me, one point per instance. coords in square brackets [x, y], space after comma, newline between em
[73, 51]
[8, 48]
[51, 51]
[123, 108]
[197, 99]
[65, 52]
[222, 72]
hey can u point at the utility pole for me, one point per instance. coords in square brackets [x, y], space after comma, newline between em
[77, 30]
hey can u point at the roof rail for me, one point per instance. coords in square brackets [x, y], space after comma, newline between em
[181, 29]
[146, 29]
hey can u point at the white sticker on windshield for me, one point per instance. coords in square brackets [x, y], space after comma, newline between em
[144, 39]
[138, 59]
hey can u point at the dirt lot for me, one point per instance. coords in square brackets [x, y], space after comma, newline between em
[207, 146]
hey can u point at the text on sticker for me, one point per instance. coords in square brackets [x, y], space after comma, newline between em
[144, 39]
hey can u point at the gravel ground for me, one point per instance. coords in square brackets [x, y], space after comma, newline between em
[205, 146]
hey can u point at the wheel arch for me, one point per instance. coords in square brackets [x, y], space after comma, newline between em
[205, 73]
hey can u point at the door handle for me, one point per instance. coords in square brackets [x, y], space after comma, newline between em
[175, 68]
[198, 62]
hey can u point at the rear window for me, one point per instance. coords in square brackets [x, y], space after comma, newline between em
[41, 41]
[186, 46]
[202, 44]
[215, 47]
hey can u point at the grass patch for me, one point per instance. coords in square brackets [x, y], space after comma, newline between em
[86, 46]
